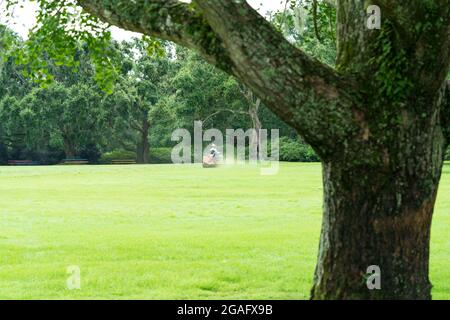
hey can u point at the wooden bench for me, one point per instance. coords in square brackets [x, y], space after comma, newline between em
[22, 163]
[123, 161]
[75, 161]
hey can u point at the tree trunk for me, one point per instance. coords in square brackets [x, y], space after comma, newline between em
[143, 148]
[256, 123]
[69, 148]
[380, 215]
[253, 109]
[380, 190]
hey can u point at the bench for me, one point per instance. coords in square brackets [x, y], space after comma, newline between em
[123, 161]
[22, 163]
[75, 161]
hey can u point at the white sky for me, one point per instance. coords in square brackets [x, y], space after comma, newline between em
[24, 18]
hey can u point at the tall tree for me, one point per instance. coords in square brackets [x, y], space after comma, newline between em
[71, 114]
[205, 94]
[379, 121]
[142, 85]
[13, 86]
[254, 104]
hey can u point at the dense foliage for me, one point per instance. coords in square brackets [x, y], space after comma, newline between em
[72, 116]
[157, 88]
[294, 150]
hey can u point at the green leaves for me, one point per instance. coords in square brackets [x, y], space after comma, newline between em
[311, 26]
[391, 66]
[154, 47]
[7, 42]
[62, 28]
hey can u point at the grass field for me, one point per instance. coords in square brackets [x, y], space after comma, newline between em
[172, 232]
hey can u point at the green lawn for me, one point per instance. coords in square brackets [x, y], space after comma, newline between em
[172, 232]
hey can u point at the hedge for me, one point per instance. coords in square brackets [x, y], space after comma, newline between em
[107, 158]
[295, 151]
[160, 155]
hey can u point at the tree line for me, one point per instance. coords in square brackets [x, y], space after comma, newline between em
[154, 93]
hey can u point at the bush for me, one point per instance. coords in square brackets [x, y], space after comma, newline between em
[447, 154]
[160, 155]
[293, 151]
[108, 157]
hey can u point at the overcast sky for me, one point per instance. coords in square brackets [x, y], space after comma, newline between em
[24, 18]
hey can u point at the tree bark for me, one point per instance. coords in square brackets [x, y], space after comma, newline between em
[378, 207]
[253, 109]
[379, 216]
[255, 140]
[379, 197]
[143, 147]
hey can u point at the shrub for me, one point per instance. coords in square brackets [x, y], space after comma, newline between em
[293, 150]
[160, 155]
[447, 154]
[107, 158]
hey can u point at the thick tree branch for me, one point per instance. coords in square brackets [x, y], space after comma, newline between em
[405, 14]
[165, 19]
[316, 27]
[303, 92]
[222, 110]
[401, 12]
[418, 31]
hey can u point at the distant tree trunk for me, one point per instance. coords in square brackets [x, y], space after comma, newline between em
[253, 109]
[143, 147]
[69, 148]
[253, 112]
